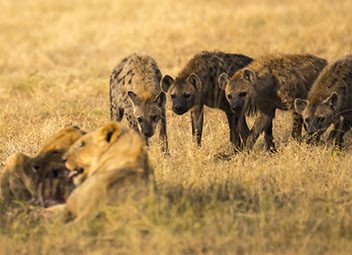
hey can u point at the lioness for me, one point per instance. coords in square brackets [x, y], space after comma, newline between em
[41, 178]
[104, 165]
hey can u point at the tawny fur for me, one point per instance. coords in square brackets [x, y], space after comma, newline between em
[40, 179]
[105, 163]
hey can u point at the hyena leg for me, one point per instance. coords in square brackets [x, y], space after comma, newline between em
[146, 142]
[340, 132]
[116, 113]
[268, 136]
[263, 122]
[197, 116]
[333, 134]
[297, 124]
[163, 134]
[234, 136]
[243, 128]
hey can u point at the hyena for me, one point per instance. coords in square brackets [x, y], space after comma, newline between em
[269, 83]
[197, 85]
[135, 92]
[329, 102]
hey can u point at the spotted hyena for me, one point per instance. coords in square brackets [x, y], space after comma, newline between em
[329, 102]
[269, 83]
[135, 93]
[197, 85]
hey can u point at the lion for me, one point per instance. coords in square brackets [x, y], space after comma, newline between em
[104, 164]
[41, 179]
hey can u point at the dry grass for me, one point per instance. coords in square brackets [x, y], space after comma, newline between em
[56, 58]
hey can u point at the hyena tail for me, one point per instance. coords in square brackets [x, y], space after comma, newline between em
[116, 114]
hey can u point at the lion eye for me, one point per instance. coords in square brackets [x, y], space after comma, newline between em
[82, 144]
[186, 95]
[55, 153]
[243, 94]
[173, 96]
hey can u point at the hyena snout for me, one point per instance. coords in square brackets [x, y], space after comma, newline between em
[179, 108]
[236, 105]
[147, 130]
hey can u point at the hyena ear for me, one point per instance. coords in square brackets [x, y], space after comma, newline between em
[160, 99]
[300, 105]
[133, 97]
[223, 80]
[332, 100]
[166, 82]
[110, 132]
[249, 75]
[195, 81]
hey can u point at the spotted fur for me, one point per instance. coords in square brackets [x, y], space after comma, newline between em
[197, 85]
[329, 102]
[135, 93]
[273, 82]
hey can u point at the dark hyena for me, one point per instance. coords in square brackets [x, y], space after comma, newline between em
[197, 85]
[329, 102]
[272, 82]
[135, 92]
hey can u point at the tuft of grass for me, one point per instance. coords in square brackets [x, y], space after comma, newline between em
[56, 58]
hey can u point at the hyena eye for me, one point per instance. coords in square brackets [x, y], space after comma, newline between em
[186, 95]
[173, 96]
[139, 119]
[154, 118]
[229, 96]
[320, 119]
[242, 94]
[81, 144]
[307, 120]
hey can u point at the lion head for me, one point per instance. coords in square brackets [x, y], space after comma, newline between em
[109, 146]
[40, 179]
[50, 167]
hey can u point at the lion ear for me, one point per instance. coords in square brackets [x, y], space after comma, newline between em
[111, 132]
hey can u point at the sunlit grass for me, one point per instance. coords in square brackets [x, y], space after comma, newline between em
[56, 58]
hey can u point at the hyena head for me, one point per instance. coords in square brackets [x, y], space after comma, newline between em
[183, 94]
[239, 89]
[147, 113]
[317, 117]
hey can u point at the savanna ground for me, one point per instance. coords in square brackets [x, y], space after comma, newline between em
[55, 62]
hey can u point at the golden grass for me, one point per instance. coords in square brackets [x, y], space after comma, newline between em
[55, 62]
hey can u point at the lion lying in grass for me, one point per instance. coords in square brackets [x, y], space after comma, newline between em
[105, 164]
[39, 179]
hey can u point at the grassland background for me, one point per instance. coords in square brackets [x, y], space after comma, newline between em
[55, 62]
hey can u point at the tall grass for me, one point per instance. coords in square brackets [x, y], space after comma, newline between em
[56, 58]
